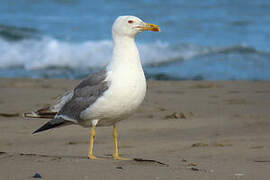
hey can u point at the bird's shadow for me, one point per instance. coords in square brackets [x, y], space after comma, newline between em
[106, 157]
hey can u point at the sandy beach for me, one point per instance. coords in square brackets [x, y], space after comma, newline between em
[184, 130]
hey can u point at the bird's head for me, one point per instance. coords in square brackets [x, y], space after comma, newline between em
[131, 26]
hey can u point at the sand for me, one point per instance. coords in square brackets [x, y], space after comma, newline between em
[189, 129]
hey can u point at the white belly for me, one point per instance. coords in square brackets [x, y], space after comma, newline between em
[122, 98]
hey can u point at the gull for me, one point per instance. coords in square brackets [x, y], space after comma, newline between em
[108, 96]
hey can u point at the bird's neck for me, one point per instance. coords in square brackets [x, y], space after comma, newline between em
[125, 53]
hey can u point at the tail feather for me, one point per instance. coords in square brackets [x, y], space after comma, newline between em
[41, 113]
[58, 122]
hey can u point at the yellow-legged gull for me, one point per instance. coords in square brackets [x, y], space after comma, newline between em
[109, 96]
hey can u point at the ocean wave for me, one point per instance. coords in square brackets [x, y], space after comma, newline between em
[48, 57]
[49, 52]
[15, 33]
[233, 63]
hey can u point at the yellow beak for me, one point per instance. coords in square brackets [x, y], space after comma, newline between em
[150, 27]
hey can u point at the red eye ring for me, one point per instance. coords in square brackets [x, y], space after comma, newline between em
[130, 21]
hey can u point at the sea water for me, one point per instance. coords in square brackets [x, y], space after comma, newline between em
[210, 39]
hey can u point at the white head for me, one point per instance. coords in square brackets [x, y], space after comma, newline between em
[130, 26]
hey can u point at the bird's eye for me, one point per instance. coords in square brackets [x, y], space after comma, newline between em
[130, 21]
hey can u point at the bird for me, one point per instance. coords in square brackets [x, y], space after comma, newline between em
[109, 95]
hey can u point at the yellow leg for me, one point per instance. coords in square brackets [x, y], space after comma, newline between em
[115, 142]
[91, 143]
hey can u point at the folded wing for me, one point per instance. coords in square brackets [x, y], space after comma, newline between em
[70, 106]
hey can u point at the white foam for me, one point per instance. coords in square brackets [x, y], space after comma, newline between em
[34, 54]
[50, 52]
[233, 62]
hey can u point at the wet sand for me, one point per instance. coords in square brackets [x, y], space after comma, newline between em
[189, 129]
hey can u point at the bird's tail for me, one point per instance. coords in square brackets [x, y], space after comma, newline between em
[46, 113]
[57, 122]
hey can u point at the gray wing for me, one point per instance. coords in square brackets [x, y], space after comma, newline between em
[62, 101]
[93, 79]
[84, 95]
[49, 112]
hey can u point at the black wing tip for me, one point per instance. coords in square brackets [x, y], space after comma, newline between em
[36, 131]
[47, 126]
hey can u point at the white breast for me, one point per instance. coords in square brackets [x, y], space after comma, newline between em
[122, 98]
[127, 85]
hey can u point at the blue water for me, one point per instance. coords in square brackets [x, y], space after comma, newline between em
[210, 39]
